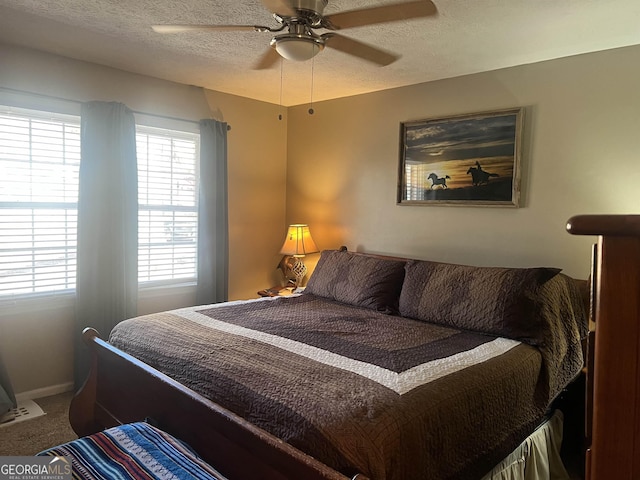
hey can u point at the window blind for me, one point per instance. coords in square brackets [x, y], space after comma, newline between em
[39, 165]
[168, 201]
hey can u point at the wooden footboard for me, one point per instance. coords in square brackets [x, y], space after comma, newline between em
[121, 389]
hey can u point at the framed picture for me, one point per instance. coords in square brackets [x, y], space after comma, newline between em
[463, 160]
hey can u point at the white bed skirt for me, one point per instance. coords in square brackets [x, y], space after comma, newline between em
[537, 458]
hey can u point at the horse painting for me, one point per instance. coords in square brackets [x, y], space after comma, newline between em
[479, 176]
[435, 180]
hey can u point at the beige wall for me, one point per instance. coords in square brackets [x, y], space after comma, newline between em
[36, 338]
[257, 191]
[581, 154]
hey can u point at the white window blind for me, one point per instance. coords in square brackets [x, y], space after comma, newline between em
[168, 202]
[39, 164]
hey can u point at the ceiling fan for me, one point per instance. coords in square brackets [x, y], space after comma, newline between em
[299, 19]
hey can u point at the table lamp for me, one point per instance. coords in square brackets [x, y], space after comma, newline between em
[297, 244]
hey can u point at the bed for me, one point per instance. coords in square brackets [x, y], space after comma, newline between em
[386, 368]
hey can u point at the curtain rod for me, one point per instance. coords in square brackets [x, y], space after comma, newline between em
[167, 117]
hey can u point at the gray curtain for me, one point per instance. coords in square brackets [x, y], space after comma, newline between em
[213, 229]
[7, 398]
[107, 269]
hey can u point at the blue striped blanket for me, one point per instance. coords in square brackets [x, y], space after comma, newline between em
[134, 451]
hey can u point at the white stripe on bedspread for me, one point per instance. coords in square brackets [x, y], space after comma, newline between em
[400, 383]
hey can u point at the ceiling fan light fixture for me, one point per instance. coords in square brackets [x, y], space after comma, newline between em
[297, 47]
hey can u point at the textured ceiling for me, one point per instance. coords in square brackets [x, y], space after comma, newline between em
[467, 36]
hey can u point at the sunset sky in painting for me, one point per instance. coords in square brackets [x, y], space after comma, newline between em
[451, 146]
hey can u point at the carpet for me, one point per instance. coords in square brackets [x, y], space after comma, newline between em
[30, 437]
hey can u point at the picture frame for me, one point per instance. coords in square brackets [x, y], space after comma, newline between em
[464, 160]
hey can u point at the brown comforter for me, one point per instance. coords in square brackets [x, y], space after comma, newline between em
[390, 397]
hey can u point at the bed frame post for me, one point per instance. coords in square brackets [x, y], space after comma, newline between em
[82, 410]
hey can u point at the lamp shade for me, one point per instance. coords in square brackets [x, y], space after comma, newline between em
[298, 241]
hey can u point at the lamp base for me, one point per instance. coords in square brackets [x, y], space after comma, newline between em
[294, 270]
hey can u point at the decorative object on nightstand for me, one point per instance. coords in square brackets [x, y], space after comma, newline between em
[297, 244]
[276, 292]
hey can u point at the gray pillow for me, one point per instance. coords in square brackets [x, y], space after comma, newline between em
[358, 280]
[499, 301]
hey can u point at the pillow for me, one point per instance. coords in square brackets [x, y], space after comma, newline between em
[358, 280]
[494, 300]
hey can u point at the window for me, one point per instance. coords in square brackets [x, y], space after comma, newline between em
[39, 164]
[168, 201]
[39, 169]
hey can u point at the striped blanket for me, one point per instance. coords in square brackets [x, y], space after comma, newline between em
[135, 451]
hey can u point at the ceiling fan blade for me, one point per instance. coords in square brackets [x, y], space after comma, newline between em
[194, 28]
[267, 60]
[282, 7]
[359, 49]
[386, 13]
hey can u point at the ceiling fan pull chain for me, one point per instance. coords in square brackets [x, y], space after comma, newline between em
[281, 68]
[313, 62]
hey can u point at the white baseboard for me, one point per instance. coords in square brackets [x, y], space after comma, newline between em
[45, 392]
